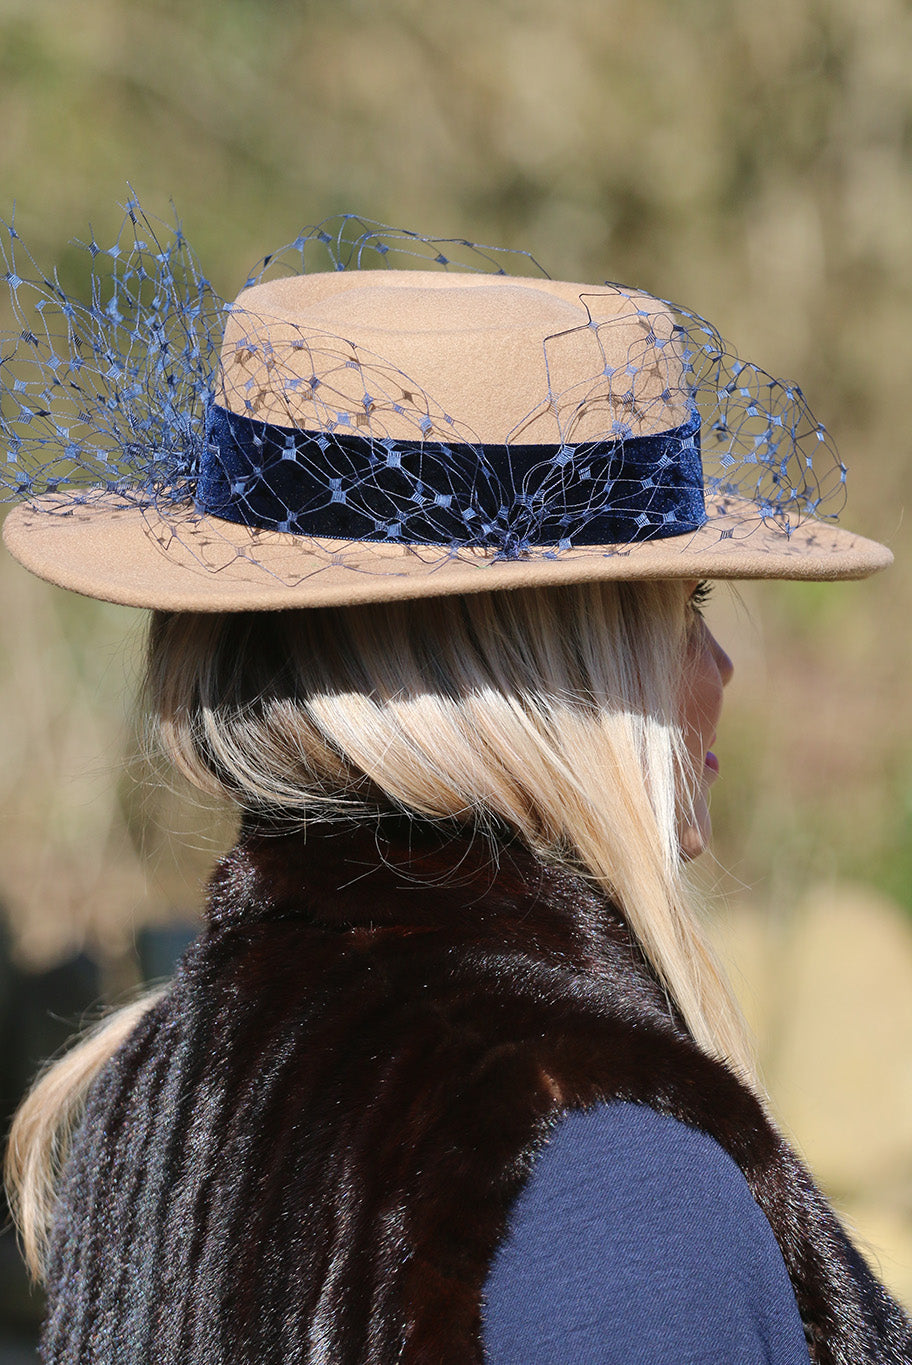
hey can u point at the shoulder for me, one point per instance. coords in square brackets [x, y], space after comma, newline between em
[637, 1238]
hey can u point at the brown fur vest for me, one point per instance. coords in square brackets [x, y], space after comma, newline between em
[309, 1150]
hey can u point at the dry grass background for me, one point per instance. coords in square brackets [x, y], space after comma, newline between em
[749, 158]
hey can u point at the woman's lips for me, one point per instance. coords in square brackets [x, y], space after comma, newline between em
[711, 761]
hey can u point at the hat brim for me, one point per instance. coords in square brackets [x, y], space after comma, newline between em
[182, 561]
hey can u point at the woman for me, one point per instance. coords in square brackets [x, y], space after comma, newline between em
[451, 1074]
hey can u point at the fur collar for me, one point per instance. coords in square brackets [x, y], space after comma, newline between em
[363, 1054]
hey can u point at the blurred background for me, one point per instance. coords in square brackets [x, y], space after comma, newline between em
[749, 159]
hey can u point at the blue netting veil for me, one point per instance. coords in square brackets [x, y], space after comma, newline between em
[434, 399]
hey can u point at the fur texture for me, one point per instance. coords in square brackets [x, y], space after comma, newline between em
[308, 1151]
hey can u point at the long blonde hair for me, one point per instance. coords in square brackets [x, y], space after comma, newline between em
[555, 712]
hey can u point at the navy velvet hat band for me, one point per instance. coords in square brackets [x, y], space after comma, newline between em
[508, 498]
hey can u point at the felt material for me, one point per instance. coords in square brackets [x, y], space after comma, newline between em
[309, 1149]
[282, 479]
[454, 357]
[636, 1240]
[184, 562]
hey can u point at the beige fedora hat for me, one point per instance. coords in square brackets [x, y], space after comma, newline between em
[380, 434]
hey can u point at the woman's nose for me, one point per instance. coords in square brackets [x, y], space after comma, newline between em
[723, 662]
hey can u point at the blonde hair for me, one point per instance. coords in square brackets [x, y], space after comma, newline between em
[555, 712]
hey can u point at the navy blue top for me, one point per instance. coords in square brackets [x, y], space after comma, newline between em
[636, 1241]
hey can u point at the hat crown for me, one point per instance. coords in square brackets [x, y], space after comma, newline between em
[413, 302]
[415, 355]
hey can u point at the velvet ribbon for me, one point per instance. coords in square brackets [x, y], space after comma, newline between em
[509, 498]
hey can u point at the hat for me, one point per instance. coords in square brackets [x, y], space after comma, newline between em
[355, 434]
